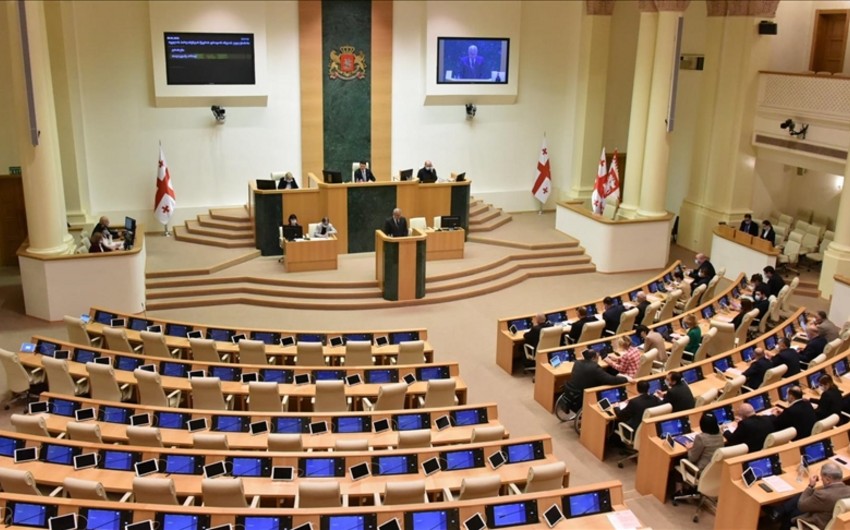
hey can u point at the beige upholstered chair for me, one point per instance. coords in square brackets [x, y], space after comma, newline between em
[319, 495]
[650, 313]
[725, 339]
[59, 380]
[841, 507]
[414, 439]
[78, 334]
[104, 386]
[330, 397]
[780, 437]
[627, 321]
[674, 360]
[707, 482]
[666, 311]
[157, 491]
[342, 444]
[18, 379]
[772, 375]
[21, 482]
[116, 340]
[646, 360]
[710, 288]
[207, 395]
[253, 352]
[746, 322]
[390, 397]
[475, 488]
[733, 387]
[144, 436]
[285, 442]
[226, 493]
[543, 477]
[591, 331]
[492, 433]
[32, 425]
[205, 350]
[154, 345]
[265, 396]
[210, 440]
[309, 354]
[705, 346]
[709, 396]
[395, 493]
[693, 301]
[358, 353]
[149, 385]
[90, 490]
[84, 432]
[411, 352]
[440, 393]
[825, 424]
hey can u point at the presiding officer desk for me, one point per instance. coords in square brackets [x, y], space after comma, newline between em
[451, 514]
[656, 458]
[509, 345]
[113, 418]
[315, 254]
[702, 376]
[549, 380]
[456, 463]
[100, 318]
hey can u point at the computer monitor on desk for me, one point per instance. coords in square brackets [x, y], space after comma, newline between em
[332, 177]
[405, 174]
[291, 233]
[449, 221]
[265, 184]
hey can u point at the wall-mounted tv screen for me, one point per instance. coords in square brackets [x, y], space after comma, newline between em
[209, 58]
[463, 60]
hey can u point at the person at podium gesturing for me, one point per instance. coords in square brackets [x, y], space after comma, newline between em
[396, 226]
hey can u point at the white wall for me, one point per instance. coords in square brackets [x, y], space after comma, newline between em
[793, 47]
[499, 148]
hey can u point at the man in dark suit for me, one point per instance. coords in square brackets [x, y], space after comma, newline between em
[578, 325]
[641, 303]
[702, 263]
[632, 415]
[587, 374]
[532, 336]
[787, 356]
[396, 226]
[830, 400]
[751, 430]
[767, 232]
[774, 281]
[815, 506]
[800, 414]
[471, 65]
[749, 226]
[363, 174]
[427, 174]
[755, 372]
[815, 346]
[761, 301]
[678, 393]
[612, 314]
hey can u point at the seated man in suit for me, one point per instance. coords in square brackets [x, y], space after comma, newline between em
[767, 232]
[827, 328]
[612, 314]
[800, 414]
[427, 174]
[748, 226]
[287, 182]
[641, 303]
[576, 327]
[678, 393]
[653, 339]
[787, 356]
[364, 174]
[532, 336]
[815, 506]
[815, 346]
[587, 374]
[761, 301]
[775, 283]
[746, 307]
[751, 429]
[632, 415]
[396, 226]
[755, 372]
[702, 263]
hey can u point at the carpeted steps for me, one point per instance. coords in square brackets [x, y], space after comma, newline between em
[222, 227]
[484, 217]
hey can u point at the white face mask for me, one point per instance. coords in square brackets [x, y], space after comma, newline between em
[696, 262]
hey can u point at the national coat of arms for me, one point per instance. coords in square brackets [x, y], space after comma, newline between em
[346, 64]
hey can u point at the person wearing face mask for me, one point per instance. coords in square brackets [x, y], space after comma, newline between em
[830, 398]
[761, 302]
[815, 346]
[787, 356]
[694, 334]
[703, 270]
[427, 174]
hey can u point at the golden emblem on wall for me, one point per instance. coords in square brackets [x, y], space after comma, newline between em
[346, 64]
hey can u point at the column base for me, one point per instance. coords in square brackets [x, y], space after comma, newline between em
[581, 193]
[696, 225]
[644, 214]
[67, 247]
[836, 260]
[627, 211]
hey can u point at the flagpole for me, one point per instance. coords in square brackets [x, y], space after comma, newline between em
[166, 233]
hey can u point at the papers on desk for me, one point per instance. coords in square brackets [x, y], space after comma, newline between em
[777, 484]
[624, 520]
[733, 371]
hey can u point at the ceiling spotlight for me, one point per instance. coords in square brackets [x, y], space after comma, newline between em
[218, 113]
[470, 111]
[791, 126]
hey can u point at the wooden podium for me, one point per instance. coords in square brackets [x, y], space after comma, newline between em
[400, 265]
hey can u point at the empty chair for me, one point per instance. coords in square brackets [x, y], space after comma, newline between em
[78, 334]
[287, 442]
[309, 354]
[825, 424]
[785, 309]
[418, 222]
[669, 304]
[84, 432]
[144, 436]
[157, 491]
[724, 340]
[487, 434]
[790, 252]
[733, 387]
[149, 386]
[208, 440]
[84, 489]
[330, 397]
[226, 493]
[674, 360]
[772, 375]
[342, 444]
[440, 393]
[116, 340]
[104, 387]
[650, 313]
[476, 488]
[253, 352]
[358, 353]
[33, 425]
[205, 350]
[153, 344]
[707, 482]
[390, 397]
[705, 345]
[696, 294]
[395, 493]
[59, 380]
[18, 379]
[207, 395]
[645, 364]
[319, 495]
[543, 477]
[710, 288]
[591, 331]
[414, 439]
[780, 437]
[809, 243]
[709, 396]
[265, 396]
[832, 347]
[627, 321]
[21, 482]
[411, 352]
[746, 322]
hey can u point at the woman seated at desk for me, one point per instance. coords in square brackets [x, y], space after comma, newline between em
[324, 229]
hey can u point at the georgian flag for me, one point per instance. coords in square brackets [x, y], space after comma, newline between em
[598, 197]
[543, 182]
[165, 201]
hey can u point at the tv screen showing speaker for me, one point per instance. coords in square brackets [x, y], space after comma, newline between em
[209, 58]
[466, 60]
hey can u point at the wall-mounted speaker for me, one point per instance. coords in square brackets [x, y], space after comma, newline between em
[767, 27]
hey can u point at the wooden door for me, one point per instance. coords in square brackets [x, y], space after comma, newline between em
[13, 218]
[829, 40]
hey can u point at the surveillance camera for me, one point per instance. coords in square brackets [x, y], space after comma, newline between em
[218, 113]
[470, 111]
[787, 124]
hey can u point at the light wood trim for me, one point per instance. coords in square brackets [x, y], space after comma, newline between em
[753, 243]
[842, 279]
[312, 255]
[137, 247]
[312, 99]
[382, 88]
[578, 207]
[837, 76]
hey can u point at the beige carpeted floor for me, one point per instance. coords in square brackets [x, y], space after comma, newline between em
[464, 331]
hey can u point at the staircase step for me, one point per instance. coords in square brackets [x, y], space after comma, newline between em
[232, 213]
[195, 228]
[490, 225]
[208, 221]
[483, 218]
[807, 292]
[477, 209]
[498, 274]
[181, 234]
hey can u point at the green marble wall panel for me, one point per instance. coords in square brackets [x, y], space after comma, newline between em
[347, 104]
[460, 205]
[268, 214]
[420, 268]
[368, 208]
[391, 272]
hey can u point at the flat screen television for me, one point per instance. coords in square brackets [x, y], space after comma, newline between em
[332, 177]
[209, 58]
[467, 60]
